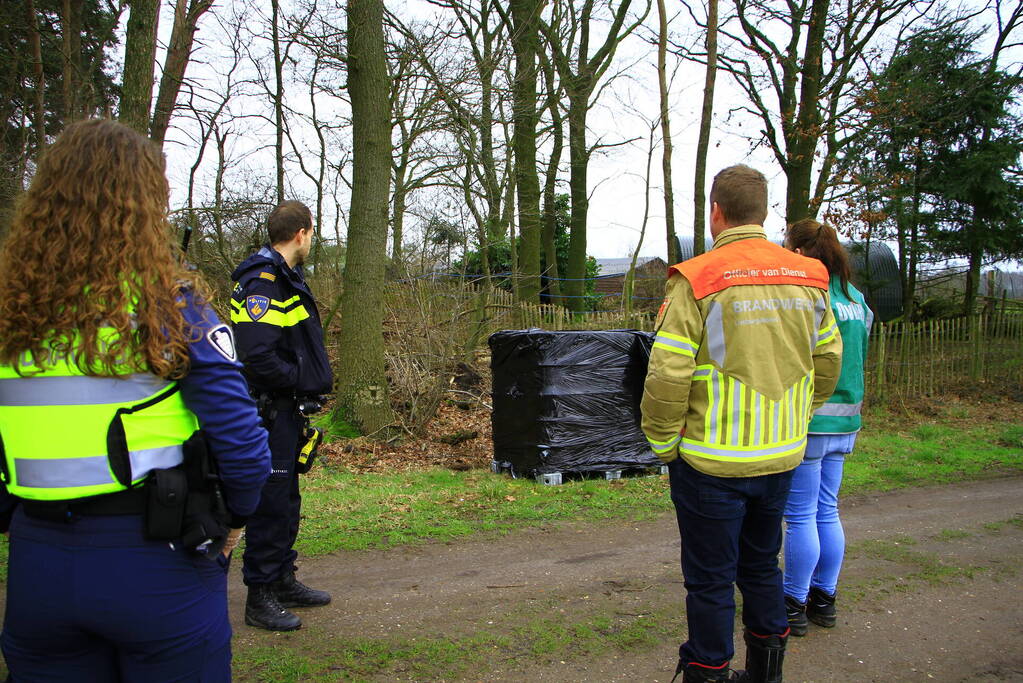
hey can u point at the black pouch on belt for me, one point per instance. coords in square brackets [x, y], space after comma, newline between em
[165, 503]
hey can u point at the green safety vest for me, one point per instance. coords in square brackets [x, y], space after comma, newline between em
[66, 435]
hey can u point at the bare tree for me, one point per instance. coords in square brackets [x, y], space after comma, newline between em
[555, 92]
[362, 396]
[179, 53]
[581, 73]
[804, 55]
[662, 86]
[702, 145]
[525, 21]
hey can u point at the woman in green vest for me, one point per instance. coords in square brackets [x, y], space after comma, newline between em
[110, 361]
[814, 539]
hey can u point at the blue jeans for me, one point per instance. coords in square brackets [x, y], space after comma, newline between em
[731, 535]
[814, 540]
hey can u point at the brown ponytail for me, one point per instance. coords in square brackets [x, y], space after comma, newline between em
[820, 241]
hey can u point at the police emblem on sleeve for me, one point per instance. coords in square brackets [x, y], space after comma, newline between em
[257, 306]
[221, 339]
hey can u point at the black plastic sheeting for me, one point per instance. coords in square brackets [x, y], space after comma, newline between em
[569, 401]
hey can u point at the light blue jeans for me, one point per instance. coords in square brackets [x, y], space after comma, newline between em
[814, 539]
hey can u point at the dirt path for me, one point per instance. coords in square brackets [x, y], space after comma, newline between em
[931, 591]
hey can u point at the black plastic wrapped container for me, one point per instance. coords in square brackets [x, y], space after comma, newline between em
[569, 401]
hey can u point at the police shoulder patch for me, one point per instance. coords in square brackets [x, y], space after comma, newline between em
[221, 339]
[257, 306]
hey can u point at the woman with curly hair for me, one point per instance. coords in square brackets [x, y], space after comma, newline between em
[814, 539]
[110, 361]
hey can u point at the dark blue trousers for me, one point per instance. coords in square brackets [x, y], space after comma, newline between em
[93, 601]
[731, 535]
[271, 531]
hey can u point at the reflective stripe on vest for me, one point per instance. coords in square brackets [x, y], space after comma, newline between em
[741, 424]
[47, 473]
[839, 409]
[58, 428]
[701, 449]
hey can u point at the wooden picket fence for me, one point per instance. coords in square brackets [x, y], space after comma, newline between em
[514, 314]
[904, 359]
[931, 357]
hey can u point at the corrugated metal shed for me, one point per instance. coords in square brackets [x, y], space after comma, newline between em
[880, 284]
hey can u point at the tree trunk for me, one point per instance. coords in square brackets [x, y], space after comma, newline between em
[550, 217]
[662, 83]
[973, 277]
[186, 19]
[362, 396]
[525, 39]
[550, 213]
[278, 97]
[806, 133]
[398, 212]
[578, 157]
[139, 60]
[71, 49]
[706, 114]
[39, 86]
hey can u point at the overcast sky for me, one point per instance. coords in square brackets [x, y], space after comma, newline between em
[615, 174]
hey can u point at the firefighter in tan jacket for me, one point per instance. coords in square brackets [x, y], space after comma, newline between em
[746, 349]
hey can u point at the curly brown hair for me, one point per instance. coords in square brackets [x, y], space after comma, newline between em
[90, 248]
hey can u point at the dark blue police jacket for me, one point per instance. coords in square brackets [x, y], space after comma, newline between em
[277, 328]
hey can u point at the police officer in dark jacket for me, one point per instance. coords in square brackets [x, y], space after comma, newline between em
[280, 342]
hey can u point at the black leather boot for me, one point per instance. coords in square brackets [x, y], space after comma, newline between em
[820, 608]
[764, 657]
[263, 610]
[291, 592]
[795, 611]
[694, 673]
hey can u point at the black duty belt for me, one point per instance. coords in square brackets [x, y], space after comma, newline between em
[130, 502]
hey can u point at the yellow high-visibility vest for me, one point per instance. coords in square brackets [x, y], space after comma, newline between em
[66, 435]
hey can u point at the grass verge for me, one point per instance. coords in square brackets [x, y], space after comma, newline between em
[346, 511]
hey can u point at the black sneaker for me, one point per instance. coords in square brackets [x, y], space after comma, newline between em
[820, 608]
[795, 611]
[263, 610]
[291, 592]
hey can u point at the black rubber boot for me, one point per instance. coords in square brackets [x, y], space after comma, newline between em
[694, 673]
[263, 610]
[291, 592]
[764, 657]
[796, 613]
[820, 608]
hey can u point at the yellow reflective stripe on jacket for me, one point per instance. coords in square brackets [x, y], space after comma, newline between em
[727, 453]
[664, 446]
[826, 334]
[278, 314]
[740, 416]
[676, 343]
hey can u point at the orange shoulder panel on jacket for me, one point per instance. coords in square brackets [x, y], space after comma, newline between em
[750, 262]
